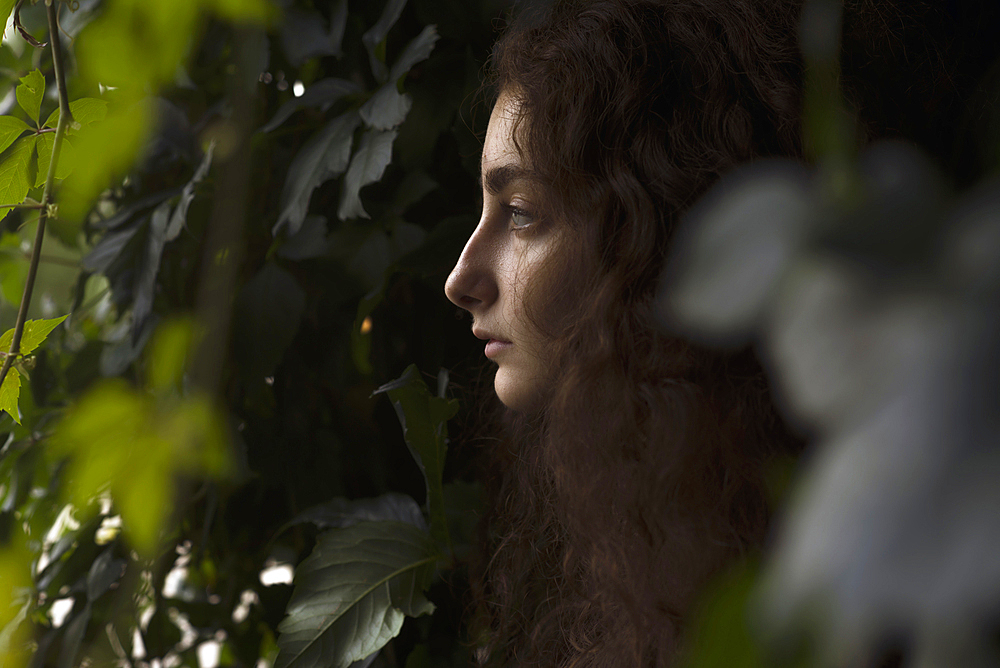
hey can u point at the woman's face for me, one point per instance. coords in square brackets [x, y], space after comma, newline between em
[504, 258]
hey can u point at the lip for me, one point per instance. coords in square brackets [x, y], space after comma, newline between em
[495, 347]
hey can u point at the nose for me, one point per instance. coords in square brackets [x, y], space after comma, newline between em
[472, 284]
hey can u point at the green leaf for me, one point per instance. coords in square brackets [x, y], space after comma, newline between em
[424, 418]
[720, 629]
[6, 8]
[30, 92]
[15, 168]
[9, 394]
[67, 158]
[324, 156]
[340, 512]
[367, 166]
[35, 332]
[352, 592]
[10, 129]
[85, 111]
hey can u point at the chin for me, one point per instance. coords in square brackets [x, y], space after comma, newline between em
[516, 392]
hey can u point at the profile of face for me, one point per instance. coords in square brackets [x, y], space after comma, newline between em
[504, 256]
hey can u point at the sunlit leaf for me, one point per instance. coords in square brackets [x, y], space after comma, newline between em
[35, 332]
[9, 394]
[15, 169]
[30, 93]
[424, 418]
[6, 8]
[323, 157]
[86, 110]
[168, 356]
[367, 166]
[352, 593]
[67, 158]
[10, 129]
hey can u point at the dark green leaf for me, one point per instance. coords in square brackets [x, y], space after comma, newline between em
[376, 36]
[268, 312]
[352, 593]
[320, 94]
[419, 49]
[179, 217]
[10, 129]
[104, 572]
[387, 108]
[424, 418]
[108, 249]
[30, 93]
[339, 513]
[324, 156]
[310, 241]
[367, 166]
[73, 636]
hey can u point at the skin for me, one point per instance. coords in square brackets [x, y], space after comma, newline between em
[505, 254]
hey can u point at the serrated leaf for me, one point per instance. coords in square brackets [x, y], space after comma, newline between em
[324, 156]
[85, 111]
[352, 592]
[386, 109]
[10, 129]
[424, 418]
[35, 332]
[419, 49]
[320, 94]
[9, 393]
[15, 168]
[375, 36]
[367, 166]
[30, 92]
[67, 158]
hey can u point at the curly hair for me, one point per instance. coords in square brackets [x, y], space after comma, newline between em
[643, 474]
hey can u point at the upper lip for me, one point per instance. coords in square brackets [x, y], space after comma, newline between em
[486, 336]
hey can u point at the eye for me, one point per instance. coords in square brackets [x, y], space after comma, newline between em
[519, 218]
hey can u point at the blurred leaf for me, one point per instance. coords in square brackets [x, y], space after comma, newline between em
[720, 634]
[324, 156]
[339, 513]
[321, 94]
[30, 93]
[376, 35]
[310, 241]
[10, 129]
[424, 419]
[6, 9]
[741, 237]
[85, 111]
[367, 166]
[352, 592]
[104, 572]
[74, 630]
[133, 444]
[179, 217]
[387, 108]
[304, 35]
[172, 346]
[15, 601]
[268, 312]
[257, 11]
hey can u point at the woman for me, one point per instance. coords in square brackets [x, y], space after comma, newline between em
[632, 463]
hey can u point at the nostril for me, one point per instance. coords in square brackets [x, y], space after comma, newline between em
[466, 301]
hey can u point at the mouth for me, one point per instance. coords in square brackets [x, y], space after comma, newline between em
[494, 344]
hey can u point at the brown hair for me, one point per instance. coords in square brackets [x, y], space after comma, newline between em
[643, 474]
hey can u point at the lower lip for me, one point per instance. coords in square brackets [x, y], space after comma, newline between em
[495, 347]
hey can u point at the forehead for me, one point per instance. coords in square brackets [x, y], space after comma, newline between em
[498, 148]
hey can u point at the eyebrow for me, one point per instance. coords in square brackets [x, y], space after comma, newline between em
[498, 178]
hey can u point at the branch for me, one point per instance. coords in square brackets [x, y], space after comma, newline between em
[65, 118]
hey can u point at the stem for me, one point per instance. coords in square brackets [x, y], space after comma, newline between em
[65, 118]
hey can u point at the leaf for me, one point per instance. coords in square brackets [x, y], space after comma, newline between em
[268, 312]
[339, 513]
[304, 36]
[6, 8]
[9, 394]
[324, 156]
[352, 593]
[720, 629]
[14, 172]
[149, 265]
[67, 158]
[387, 108]
[10, 129]
[367, 166]
[35, 332]
[310, 241]
[376, 35]
[30, 92]
[321, 94]
[104, 572]
[168, 358]
[179, 218]
[418, 49]
[85, 111]
[424, 419]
